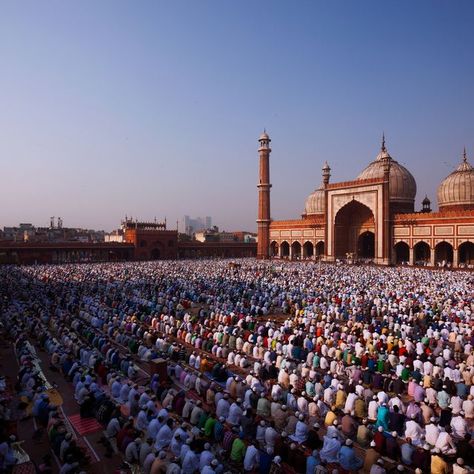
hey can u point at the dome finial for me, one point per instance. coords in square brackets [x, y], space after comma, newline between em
[264, 136]
[464, 156]
[383, 148]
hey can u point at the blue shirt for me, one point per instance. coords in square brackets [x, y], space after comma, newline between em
[311, 463]
[407, 453]
[348, 460]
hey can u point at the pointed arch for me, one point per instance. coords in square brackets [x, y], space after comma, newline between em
[444, 253]
[402, 252]
[308, 249]
[422, 253]
[296, 250]
[352, 220]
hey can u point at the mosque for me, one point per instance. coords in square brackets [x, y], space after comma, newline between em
[373, 217]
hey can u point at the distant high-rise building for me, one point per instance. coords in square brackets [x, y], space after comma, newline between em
[196, 224]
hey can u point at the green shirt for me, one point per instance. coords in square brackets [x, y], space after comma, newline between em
[209, 426]
[237, 452]
[202, 420]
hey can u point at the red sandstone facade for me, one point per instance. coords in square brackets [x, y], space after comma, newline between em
[152, 241]
[372, 218]
[64, 252]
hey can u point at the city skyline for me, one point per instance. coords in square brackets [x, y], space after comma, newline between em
[154, 110]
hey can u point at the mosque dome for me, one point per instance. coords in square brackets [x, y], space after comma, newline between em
[457, 190]
[402, 182]
[315, 202]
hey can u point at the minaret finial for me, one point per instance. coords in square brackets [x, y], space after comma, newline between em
[464, 155]
[383, 142]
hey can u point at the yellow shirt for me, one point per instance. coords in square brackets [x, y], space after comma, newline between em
[340, 399]
[438, 465]
[329, 419]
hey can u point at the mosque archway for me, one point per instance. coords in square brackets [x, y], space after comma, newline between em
[320, 248]
[402, 252]
[366, 245]
[308, 249]
[422, 253]
[444, 253]
[296, 250]
[155, 254]
[274, 249]
[353, 221]
[466, 253]
[285, 249]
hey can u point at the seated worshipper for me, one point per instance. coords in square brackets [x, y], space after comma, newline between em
[251, 458]
[383, 415]
[296, 458]
[247, 424]
[330, 450]
[392, 449]
[422, 457]
[263, 406]
[206, 457]
[445, 442]
[347, 458]
[132, 452]
[379, 439]
[438, 464]
[301, 431]
[407, 449]
[459, 467]
[364, 435]
[165, 435]
[349, 425]
[396, 420]
[371, 457]
[7, 454]
[314, 441]
[238, 449]
[86, 408]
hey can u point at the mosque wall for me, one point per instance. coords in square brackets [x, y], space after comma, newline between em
[448, 236]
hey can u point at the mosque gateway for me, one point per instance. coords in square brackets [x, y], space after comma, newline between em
[373, 218]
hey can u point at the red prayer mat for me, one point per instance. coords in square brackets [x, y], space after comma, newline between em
[84, 426]
[24, 468]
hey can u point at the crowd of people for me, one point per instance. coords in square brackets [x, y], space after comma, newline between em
[271, 368]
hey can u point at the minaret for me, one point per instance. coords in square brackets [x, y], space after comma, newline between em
[386, 237]
[326, 174]
[263, 221]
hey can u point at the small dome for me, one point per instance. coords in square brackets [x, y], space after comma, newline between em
[264, 136]
[426, 201]
[315, 202]
[457, 189]
[402, 182]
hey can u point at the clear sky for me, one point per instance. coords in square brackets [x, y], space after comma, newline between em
[153, 108]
